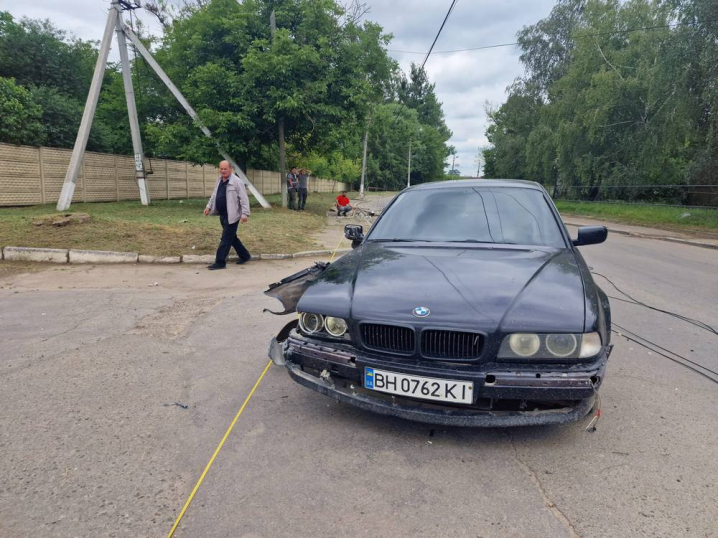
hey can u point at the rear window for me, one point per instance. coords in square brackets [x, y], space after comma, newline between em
[507, 215]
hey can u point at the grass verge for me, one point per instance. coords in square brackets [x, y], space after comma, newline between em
[166, 227]
[676, 218]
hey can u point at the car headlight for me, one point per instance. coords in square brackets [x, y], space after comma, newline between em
[590, 345]
[524, 345]
[550, 346]
[561, 345]
[335, 326]
[311, 323]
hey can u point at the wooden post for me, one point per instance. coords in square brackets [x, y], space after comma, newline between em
[186, 178]
[42, 175]
[167, 180]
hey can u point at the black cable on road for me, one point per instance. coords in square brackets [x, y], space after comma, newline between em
[698, 323]
[633, 337]
[448, 13]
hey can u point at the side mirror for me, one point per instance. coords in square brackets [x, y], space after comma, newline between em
[590, 235]
[355, 233]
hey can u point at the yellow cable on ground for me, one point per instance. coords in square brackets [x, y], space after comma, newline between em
[221, 443]
[335, 250]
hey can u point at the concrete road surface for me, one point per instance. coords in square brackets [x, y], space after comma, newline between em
[114, 393]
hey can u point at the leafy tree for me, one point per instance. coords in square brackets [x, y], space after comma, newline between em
[615, 93]
[20, 116]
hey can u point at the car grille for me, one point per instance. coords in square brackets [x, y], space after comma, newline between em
[389, 338]
[450, 345]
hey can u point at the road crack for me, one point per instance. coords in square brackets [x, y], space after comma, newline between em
[533, 476]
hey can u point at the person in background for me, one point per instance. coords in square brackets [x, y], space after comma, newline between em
[229, 200]
[303, 187]
[292, 185]
[343, 205]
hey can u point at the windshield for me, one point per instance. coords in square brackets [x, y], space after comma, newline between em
[474, 215]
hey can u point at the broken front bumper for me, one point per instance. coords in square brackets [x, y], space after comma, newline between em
[337, 371]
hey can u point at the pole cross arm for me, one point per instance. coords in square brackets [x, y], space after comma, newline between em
[185, 104]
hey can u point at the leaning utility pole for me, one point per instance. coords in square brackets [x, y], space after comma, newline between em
[132, 111]
[68, 187]
[280, 129]
[114, 21]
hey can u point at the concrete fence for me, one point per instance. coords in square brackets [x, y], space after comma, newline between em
[34, 175]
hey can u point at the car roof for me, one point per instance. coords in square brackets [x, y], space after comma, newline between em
[464, 183]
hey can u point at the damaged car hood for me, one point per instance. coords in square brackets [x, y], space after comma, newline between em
[480, 287]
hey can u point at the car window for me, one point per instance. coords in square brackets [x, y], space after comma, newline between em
[487, 215]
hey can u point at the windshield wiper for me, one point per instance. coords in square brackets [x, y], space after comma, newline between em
[473, 241]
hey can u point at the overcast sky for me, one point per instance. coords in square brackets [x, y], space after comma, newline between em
[465, 81]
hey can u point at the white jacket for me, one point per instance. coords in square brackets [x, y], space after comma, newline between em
[237, 199]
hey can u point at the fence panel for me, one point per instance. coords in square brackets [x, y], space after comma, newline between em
[31, 175]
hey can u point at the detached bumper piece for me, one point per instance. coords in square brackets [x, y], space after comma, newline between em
[502, 398]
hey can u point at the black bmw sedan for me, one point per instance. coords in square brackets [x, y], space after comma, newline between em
[467, 303]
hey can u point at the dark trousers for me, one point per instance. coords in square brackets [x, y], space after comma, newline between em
[302, 198]
[292, 198]
[229, 240]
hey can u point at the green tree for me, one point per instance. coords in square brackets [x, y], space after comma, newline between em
[20, 116]
[616, 93]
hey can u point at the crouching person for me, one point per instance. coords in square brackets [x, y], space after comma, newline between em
[229, 200]
[343, 205]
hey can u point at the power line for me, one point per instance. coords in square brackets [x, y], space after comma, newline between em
[580, 36]
[448, 13]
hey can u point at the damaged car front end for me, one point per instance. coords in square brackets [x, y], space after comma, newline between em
[470, 325]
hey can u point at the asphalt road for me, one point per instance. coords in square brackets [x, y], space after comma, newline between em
[97, 364]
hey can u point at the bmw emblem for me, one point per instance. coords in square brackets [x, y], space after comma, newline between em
[421, 312]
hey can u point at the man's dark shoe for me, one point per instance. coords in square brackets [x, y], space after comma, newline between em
[243, 260]
[216, 266]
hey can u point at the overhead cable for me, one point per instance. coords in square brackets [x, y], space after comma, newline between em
[448, 13]
[578, 36]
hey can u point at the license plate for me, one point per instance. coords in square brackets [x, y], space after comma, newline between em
[427, 388]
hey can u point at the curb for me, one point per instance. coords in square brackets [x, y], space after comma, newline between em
[26, 254]
[52, 255]
[102, 256]
[688, 242]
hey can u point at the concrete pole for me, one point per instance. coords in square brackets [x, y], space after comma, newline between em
[182, 101]
[408, 173]
[78, 152]
[363, 164]
[132, 111]
[280, 130]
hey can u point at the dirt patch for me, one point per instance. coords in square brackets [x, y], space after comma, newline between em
[10, 269]
[171, 321]
[58, 221]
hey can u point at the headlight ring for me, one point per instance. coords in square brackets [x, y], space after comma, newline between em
[311, 323]
[561, 345]
[335, 326]
[524, 344]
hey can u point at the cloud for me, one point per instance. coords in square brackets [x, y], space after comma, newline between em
[465, 81]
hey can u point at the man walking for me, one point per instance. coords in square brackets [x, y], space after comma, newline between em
[229, 200]
[303, 187]
[292, 185]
